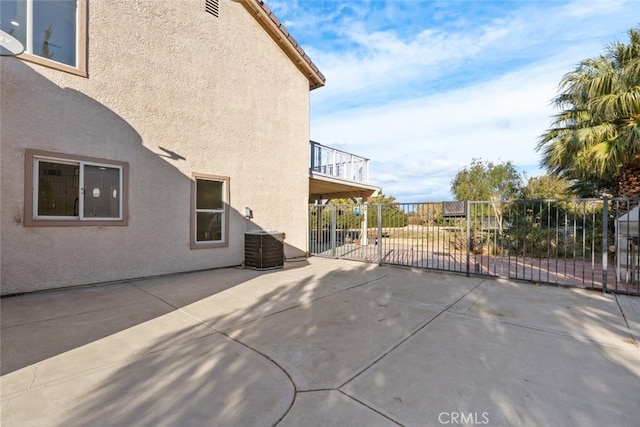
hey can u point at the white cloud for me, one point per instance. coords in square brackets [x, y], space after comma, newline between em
[416, 146]
[422, 99]
[383, 62]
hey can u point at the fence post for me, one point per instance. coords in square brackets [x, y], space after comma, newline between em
[605, 243]
[468, 218]
[333, 231]
[364, 229]
[379, 239]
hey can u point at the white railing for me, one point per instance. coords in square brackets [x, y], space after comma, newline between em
[339, 164]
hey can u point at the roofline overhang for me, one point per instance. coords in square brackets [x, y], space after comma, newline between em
[272, 25]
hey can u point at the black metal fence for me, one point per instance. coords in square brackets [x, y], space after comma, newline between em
[588, 243]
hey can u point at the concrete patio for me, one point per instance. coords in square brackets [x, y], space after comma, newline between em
[320, 343]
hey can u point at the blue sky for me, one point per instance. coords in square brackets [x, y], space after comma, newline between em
[423, 87]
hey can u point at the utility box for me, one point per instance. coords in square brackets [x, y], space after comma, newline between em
[263, 250]
[457, 209]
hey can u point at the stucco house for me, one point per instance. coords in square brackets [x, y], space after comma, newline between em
[138, 136]
[135, 133]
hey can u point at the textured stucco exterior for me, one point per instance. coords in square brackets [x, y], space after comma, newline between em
[173, 91]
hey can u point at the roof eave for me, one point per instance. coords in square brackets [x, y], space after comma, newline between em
[289, 45]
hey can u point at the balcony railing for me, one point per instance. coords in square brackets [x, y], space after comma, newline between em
[338, 164]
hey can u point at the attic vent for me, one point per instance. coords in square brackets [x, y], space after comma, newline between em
[212, 7]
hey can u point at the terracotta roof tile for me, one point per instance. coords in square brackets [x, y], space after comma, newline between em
[290, 38]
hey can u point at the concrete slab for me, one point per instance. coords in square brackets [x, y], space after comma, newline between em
[256, 298]
[501, 374]
[278, 290]
[42, 306]
[630, 307]
[166, 331]
[29, 343]
[184, 289]
[320, 342]
[587, 314]
[324, 343]
[330, 408]
[347, 274]
[207, 381]
[421, 288]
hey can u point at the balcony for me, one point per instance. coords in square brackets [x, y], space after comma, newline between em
[337, 174]
[338, 164]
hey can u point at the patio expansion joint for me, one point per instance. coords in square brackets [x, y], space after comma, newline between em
[245, 345]
[355, 399]
[407, 338]
[370, 407]
[389, 351]
[544, 330]
[275, 362]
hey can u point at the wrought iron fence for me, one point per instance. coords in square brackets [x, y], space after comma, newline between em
[588, 243]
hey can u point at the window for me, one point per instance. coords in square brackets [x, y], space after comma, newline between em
[71, 190]
[52, 31]
[209, 224]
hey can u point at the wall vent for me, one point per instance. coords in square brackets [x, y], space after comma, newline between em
[212, 7]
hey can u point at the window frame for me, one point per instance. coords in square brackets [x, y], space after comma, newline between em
[31, 217]
[81, 45]
[193, 232]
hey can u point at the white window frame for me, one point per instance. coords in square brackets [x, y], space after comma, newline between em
[32, 181]
[223, 242]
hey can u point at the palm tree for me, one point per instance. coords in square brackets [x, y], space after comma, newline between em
[595, 139]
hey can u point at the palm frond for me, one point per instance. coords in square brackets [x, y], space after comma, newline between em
[598, 125]
[617, 106]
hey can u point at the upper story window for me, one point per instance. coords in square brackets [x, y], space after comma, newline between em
[53, 32]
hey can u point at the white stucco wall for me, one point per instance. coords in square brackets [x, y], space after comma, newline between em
[164, 77]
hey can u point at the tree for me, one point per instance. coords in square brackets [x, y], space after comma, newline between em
[546, 187]
[425, 214]
[594, 141]
[484, 180]
[392, 215]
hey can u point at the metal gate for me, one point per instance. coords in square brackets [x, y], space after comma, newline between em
[587, 243]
